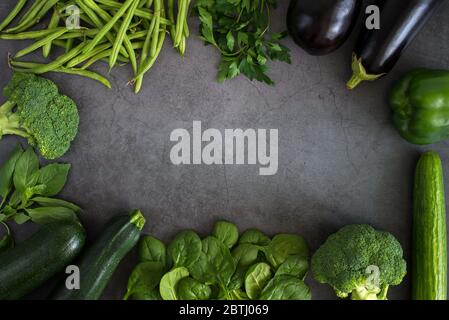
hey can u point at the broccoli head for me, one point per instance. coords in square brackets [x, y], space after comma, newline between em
[360, 262]
[36, 111]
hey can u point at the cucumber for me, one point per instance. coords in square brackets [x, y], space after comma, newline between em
[32, 262]
[429, 262]
[99, 261]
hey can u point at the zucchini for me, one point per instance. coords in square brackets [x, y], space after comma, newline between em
[32, 262]
[429, 263]
[99, 261]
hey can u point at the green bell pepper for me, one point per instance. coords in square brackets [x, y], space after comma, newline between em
[420, 103]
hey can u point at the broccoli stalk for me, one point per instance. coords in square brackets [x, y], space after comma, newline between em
[36, 111]
[360, 262]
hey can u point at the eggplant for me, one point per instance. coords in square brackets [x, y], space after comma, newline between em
[378, 50]
[322, 26]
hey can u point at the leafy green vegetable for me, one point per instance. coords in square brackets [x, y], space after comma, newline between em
[294, 266]
[27, 190]
[191, 289]
[185, 249]
[283, 246]
[169, 282]
[240, 31]
[45, 118]
[152, 249]
[226, 232]
[145, 279]
[254, 236]
[256, 279]
[286, 287]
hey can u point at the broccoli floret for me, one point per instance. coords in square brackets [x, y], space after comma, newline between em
[360, 262]
[36, 111]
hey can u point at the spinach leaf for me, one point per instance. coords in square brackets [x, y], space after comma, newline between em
[283, 246]
[6, 172]
[169, 282]
[7, 241]
[238, 294]
[254, 236]
[191, 289]
[185, 249]
[25, 173]
[53, 177]
[203, 271]
[226, 232]
[147, 295]
[256, 279]
[296, 266]
[144, 279]
[220, 259]
[53, 202]
[286, 287]
[44, 215]
[152, 249]
[244, 256]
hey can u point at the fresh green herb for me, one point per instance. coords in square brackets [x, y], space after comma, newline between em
[240, 31]
[27, 190]
[221, 266]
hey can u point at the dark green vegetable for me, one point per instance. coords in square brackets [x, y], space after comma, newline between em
[429, 269]
[7, 241]
[34, 261]
[47, 119]
[240, 32]
[221, 266]
[360, 262]
[26, 190]
[420, 102]
[99, 261]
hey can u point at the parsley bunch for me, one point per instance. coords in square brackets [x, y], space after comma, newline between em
[239, 29]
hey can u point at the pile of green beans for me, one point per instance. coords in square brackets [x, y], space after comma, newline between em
[113, 31]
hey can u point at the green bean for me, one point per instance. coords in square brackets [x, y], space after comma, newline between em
[60, 60]
[152, 60]
[122, 32]
[34, 18]
[136, 35]
[109, 25]
[96, 20]
[107, 53]
[141, 13]
[40, 43]
[171, 18]
[29, 67]
[59, 43]
[28, 35]
[158, 8]
[69, 45]
[54, 20]
[85, 56]
[179, 22]
[36, 6]
[145, 53]
[13, 14]
[73, 34]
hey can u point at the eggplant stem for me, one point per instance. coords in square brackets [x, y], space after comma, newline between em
[359, 73]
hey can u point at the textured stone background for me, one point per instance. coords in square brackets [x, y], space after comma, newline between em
[340, 159]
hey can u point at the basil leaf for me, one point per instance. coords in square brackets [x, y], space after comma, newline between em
[286, 287]
[191, 289]
[152, 249]
[283, 246]
[21, 218]
[256, 279]
[53, 202]
[144, 278]
[169, 282]
[226, 232]
[7, 170]
[185, 249]
[25, 172]
[7, 241]
[54, 177]
[44, 215]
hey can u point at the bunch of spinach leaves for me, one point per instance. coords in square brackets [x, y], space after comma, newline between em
[239, 30]
[27, 191]
[222, 265]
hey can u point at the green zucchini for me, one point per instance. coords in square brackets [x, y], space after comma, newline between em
[99, 261]
[32, 262]
[429, 265]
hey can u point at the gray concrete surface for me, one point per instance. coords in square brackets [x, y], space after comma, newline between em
[340, 159]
